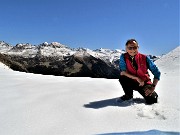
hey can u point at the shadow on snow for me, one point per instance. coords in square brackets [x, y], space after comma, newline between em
[112, 102]
[150, 132]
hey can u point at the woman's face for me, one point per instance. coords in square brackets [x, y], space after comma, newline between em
[132, 49]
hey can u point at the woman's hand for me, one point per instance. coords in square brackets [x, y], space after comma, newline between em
[149, 91]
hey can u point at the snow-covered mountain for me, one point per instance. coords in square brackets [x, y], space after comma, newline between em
[58, 59]
[56, 49]
[173, 58]
[32, 104]
[5, 47]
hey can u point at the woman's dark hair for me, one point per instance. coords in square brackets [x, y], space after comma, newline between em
[131, 41]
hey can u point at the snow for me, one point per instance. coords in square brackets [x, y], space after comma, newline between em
[172, 59]
[33, 104]
[4, 47]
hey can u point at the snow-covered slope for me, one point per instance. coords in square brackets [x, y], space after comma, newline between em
[33, 104]
[171, 61]
[2, 66]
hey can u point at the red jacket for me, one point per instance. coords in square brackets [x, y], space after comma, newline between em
[142, 70]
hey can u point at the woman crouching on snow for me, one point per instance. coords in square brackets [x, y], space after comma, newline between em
[134, 74]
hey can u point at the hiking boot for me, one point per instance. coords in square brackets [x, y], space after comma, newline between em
[124, 98]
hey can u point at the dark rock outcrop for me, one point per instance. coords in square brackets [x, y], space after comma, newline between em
[12, 64]
[70, 66]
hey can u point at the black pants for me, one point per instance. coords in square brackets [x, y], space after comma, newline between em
[129, 85]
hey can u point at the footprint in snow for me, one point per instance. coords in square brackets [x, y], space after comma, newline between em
[151, 112]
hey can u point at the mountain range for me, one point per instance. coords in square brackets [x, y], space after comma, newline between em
[60, 60]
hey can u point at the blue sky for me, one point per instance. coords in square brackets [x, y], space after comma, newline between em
[92, 24]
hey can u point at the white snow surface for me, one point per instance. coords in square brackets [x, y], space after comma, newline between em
[32, 104]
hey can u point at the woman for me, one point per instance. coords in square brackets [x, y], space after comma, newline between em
[134, 74]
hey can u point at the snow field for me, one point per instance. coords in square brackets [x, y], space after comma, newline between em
[33, 104]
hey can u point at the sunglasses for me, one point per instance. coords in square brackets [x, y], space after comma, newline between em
[132, 48]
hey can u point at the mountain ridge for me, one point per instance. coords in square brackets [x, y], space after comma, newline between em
[58, 59]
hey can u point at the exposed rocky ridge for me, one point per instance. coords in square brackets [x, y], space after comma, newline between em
[60, 60]
[11, 63]
[72, 66]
